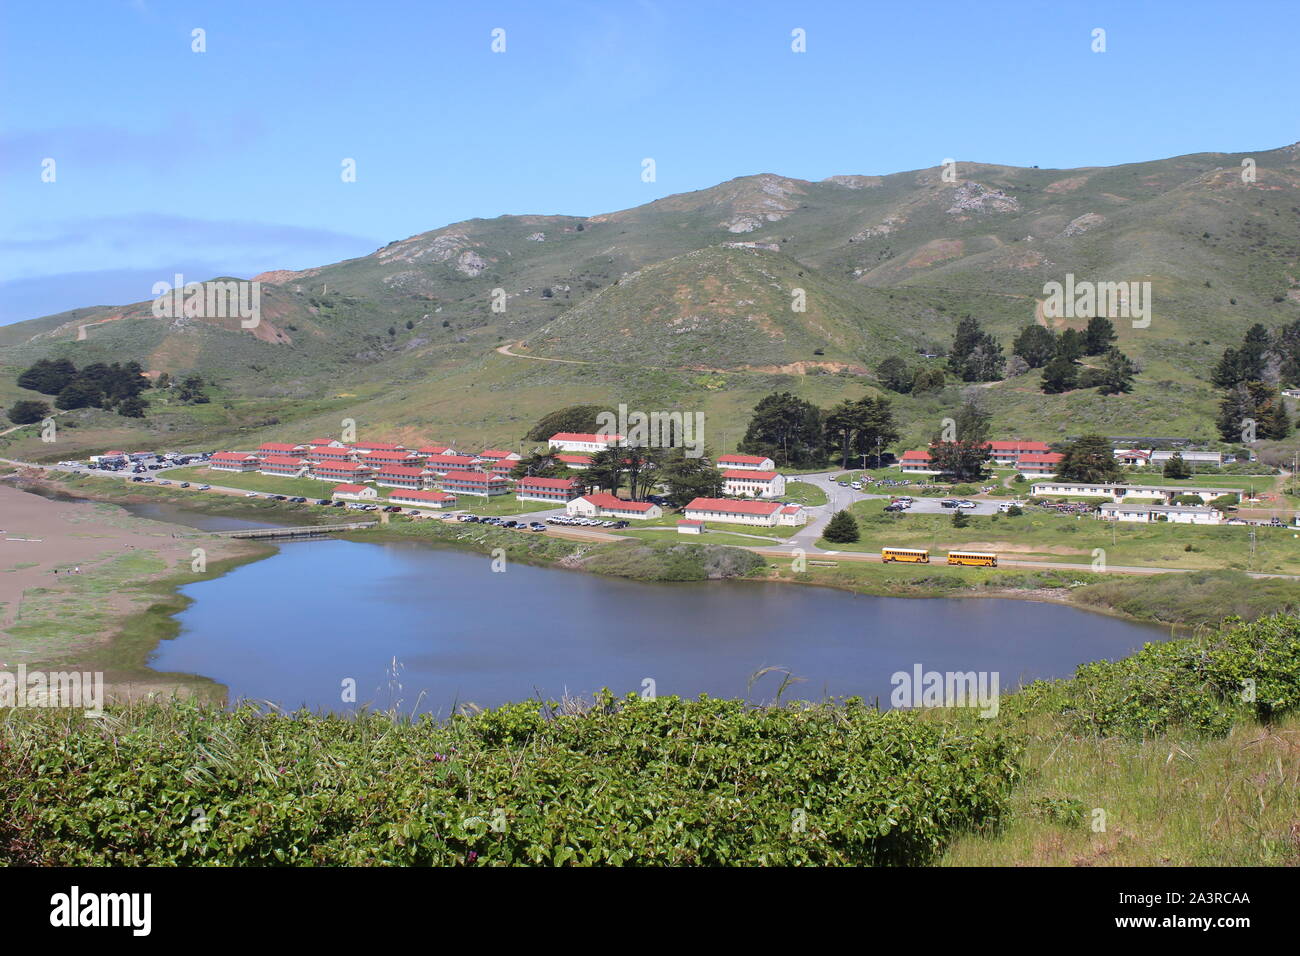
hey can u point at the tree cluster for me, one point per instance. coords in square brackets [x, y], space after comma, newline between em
[1252, 406]
[99, 385]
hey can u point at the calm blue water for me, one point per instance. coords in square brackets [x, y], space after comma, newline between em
[290, 629]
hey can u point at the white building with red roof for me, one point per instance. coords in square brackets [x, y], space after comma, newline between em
[325, 443]
[403, 476]
[366, 447]
[448, 464]
[401, 456]
[282, 448]
[917, 462]
[343, 471]
[739, 462]
[796, 515]
[582, 441]
[764, 513]
[1039, 464]
[330, 453]
[604, 505]
[426, 450]
[574, 461]
[478, 483]
[422, 499]
[233, 461]
[285, 466]
[1010, 452]
[755, 484]
[351, 492]
[554, 490]
[496, 454]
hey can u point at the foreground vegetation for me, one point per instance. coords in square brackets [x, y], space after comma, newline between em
[1183, 753]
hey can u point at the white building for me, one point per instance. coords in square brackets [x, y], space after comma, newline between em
[796, 515]
[1119, 492]
[1144, 513]
[350, 492]
[602, 505]
[754, 484]
[764, 513]
[740, 462]
[582, 441]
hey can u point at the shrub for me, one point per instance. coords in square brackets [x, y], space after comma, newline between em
[1202, 685]
[626, 781]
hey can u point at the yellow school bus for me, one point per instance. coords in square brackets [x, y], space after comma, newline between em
[904, 554]
[976, 558]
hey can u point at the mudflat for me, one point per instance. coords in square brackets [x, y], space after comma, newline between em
[72, 571]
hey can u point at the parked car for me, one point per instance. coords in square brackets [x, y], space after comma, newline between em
[856, 486]
[948, 503]
[185, 484]
[536, 526]
[250, 494]
[322, 501]
[205, 487]
[894, 507]
[967, 504]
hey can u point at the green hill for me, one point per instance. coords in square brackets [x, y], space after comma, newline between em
[686, 302]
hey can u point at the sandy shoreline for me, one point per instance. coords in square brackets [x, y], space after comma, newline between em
[72, 573]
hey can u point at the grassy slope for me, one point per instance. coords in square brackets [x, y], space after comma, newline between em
[870, 292]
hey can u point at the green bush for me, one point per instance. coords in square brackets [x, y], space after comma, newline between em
[1202, 685]
[626, 781]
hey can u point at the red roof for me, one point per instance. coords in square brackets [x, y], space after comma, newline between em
[1018, 446]
[277, 446]
[421, 496]
[347, 489]
[612, 503]
[435, 449]
[1051, 458]
[556, 483]
[916, 454]
[320, 441]
[691, 522]
[495, 453]
[475, 477]
[741, 459]
[749, 475]
[449, 460]
[400, 455]
[729, 506]
[570, 458]
[585, 436]
[340, 468]
[112, 453]
[332, 452]
[283, 461]
[226, 456]
[376, 446]
[791, 509]
[400, 471]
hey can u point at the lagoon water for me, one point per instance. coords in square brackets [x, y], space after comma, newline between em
[292, 628]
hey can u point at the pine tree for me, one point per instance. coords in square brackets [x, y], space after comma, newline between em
[1089, 459]
[1035, 344]
[1060, 375]
[1175, 467]
[842, 528]
[1098, 336]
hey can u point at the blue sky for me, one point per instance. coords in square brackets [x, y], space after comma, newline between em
[228, 161]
